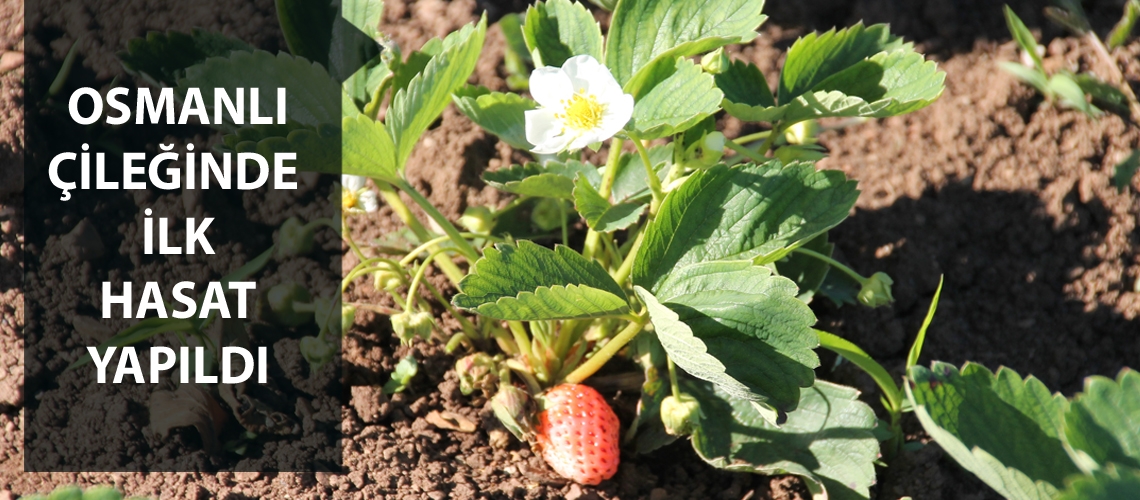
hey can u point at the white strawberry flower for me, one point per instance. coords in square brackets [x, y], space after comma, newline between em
[356, 197]
[579, 104]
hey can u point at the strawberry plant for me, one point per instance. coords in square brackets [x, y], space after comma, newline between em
[1077, 90]
[700, 253]
[1028, 443]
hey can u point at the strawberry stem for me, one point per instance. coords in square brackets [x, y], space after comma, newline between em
[673, 378]
[607, 351]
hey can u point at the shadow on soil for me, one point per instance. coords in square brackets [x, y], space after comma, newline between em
[1012, 273]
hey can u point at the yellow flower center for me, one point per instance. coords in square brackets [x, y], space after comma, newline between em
[348, 200]
[583, 112]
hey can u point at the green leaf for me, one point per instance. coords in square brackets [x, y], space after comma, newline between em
[817, 57]
[498, 113]
[556, 30]
[1023, 36]
[530, 282]
[1123, 29]
[402, 375]
[1030, 76]
[404, 71]
[318, 149]
[350, 49]
[1065, 86]
[864, 361]
[364, 14]
[632, 180]
[307, 27]
[102, 492]
[1101, 91]
[1125, 170]
[920, 338]
[829, 440]
[600, 215]
[680, 101]
[642, 31]
[1111, 484]
[743, 212]
[162, 58]
[1103, 421]
[363, 84]
[806, 271]
[1002, 428]
[885, 84]
[739, 326]
[354, 49]
[547, 180]
[367, 149]
[414, 108]
[311, 94]
[746, 93]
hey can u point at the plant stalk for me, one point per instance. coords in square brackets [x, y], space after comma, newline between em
[591, 246]
[392, 198]
[651, 175]
[1117, 75]
[461, 243]
[607, 351]
[834, 263]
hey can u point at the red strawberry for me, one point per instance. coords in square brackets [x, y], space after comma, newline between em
[577, 434]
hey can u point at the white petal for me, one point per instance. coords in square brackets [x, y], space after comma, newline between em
[368, 201]
[589, 76]
[584, 72]
[617, 114]
[352, 183]
[585, 139]
[549, 86]
[545, 132]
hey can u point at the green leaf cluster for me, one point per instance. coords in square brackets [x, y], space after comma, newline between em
[1077, 91]
[861, 71]
[1026, 442]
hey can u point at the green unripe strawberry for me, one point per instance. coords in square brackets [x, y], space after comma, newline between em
[680, 414]
[510, 405]
[387, 278]
[478, 220]
[578, 434]
[316, 351]
[294, 239]
[411, 324]
[876, 291]
[277, 305]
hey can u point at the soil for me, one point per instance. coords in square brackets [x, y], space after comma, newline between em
[1006, 196]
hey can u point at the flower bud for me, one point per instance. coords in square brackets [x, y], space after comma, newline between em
[411, 324]
[680, 414]
[294, 239]
[510, 406]
[277, 305]
[876, 291]
[388, 278]
[478, 220]
[548, 214]
[715, 62]
[475, 372]
[316, 351]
